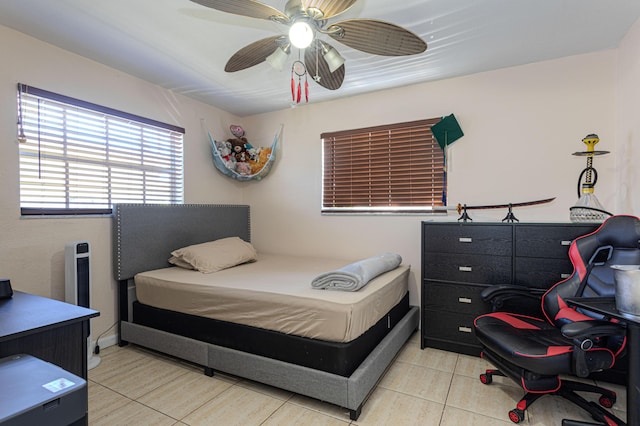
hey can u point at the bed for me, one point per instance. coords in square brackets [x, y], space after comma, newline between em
[252, 325]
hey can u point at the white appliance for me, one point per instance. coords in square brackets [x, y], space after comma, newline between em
[77, 268]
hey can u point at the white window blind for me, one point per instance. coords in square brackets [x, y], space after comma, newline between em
[81, 158]
[390, 168]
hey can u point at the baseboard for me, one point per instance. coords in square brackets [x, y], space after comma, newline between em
[106, 341]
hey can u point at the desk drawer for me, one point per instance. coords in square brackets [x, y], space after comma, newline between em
[455, 238]
[458, 298]
[468, 268]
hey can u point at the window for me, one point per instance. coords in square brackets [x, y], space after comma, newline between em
[81, 158]
[393, 168]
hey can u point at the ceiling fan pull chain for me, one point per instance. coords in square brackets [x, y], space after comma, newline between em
[317, 76]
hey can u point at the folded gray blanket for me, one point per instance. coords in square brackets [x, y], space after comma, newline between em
[356, 275]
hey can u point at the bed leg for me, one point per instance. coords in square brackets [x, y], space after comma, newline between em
[354, 414]
[123, 309]
[208, 371]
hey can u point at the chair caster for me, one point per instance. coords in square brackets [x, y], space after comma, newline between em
[486, 378]
[607, 401]
[516, 415]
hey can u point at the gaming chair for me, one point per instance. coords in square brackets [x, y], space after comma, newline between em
[534, 352]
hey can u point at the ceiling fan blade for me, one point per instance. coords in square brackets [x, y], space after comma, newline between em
[378, 37]
[252, 54]
[329, 8]
[317, 65]
[250, 8]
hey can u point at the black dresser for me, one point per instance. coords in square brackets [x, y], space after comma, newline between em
[459, 260]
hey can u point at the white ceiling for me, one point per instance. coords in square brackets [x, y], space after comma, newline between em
[183, 46]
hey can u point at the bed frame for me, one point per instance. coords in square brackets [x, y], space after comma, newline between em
[144, 235]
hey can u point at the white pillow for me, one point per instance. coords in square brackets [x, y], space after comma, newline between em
[216, 255]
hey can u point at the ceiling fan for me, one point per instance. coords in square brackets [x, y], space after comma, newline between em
[307, 19]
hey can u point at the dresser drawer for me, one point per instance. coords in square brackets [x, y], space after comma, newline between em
[450, 326]
[455, 238]
[468, 268]
[463, 299]
[541, 273]
[547, 241]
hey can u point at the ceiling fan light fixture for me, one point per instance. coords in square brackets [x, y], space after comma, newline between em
[301, 34]
[306, 19]
[333, 58]
[279, 57]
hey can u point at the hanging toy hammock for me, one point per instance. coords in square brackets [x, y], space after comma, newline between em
[254, 169]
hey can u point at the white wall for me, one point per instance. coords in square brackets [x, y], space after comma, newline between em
[521, 126]
[32, 250]
[628, 123]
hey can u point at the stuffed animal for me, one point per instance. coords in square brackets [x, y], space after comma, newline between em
[224, 149]
[243, 168]
[261, 160]
[254, 153]
[246, 159]
[239, 147]
[237, 131]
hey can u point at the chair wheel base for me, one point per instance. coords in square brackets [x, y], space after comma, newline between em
[516, 415]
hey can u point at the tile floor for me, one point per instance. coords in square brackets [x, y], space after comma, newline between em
[134, 386]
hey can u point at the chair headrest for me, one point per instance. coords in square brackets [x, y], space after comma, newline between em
[617, 233]
[620, 231]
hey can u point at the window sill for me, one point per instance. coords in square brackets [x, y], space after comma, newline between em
[384, 213]
[65, 216]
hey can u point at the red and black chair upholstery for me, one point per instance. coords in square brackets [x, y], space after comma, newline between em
[564, 341]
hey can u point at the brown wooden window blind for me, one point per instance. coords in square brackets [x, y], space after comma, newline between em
[392, 168]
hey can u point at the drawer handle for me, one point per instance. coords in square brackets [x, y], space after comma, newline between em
[565, 243]
[463, 329]
[464, 300]
[465, 268]
[565, 276]
[465, 240]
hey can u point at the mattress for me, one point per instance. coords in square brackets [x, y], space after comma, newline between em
[341, 358]
[274, 293]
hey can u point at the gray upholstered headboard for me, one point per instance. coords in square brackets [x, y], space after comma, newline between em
[144, 235]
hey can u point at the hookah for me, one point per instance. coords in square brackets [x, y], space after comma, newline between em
[588, 208]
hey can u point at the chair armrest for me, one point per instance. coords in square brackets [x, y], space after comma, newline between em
[592, 329]
[584, 334]
[509, 290]
[497, 295]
